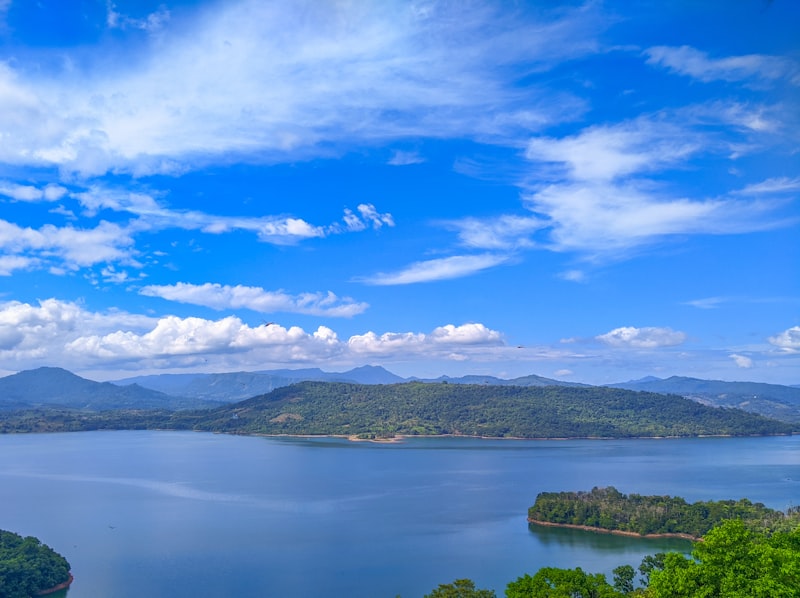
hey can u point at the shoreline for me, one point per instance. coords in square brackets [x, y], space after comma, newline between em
[614, 532]
[62, 586]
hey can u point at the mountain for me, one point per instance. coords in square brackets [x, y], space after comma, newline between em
[771, 400]
[237, 386]
[58, 388]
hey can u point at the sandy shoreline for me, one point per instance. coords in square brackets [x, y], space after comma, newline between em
[614, 532]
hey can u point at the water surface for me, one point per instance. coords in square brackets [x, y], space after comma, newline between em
[148, 514]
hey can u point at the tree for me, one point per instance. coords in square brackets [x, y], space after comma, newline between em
[623, 579]
[735, 562]
[551, 582]
[460, 588]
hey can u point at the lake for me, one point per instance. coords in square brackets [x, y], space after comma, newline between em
[182, 514]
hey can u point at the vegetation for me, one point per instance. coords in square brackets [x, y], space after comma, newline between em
[610, 510]
[376, 411]
[733, 561]
[28, 567]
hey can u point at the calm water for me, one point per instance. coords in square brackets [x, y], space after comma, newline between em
[148, 514]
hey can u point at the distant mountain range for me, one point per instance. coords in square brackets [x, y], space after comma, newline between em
[237, 386]
[771, 400]
[55, 387]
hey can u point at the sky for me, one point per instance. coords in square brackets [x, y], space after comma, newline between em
[589, 191]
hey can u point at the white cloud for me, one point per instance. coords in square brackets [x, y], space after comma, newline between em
[285, 81]
[151, 22]
[787, 341]
[278, 230]
[438, 269]
[67, 246]
[401, 158]
[443, 338]
[563, 372]
[367, 216]
[9, 263]
[63, 333]
[605, 153]
[221, 297]
[504, 232]
[685, 60]
[741, 361]
[771, 186]
[642, 338]
[707, 302]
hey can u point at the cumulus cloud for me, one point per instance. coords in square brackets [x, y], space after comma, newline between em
[642, 338]
[444, 338]
[438, 269]
[66, 334]
[787, 341]
[685, 60]
[222, 297]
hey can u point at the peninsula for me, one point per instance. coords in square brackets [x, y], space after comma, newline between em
[607, 510]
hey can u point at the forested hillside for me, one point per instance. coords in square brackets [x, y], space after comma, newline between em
[474, 410]
[382, 411]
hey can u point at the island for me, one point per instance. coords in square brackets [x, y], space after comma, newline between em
[30, 568]
[610, 511]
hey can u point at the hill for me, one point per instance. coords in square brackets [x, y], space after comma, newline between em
[473, 410]
[770, 400]
[49, 387]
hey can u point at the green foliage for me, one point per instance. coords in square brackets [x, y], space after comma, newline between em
[460, 588]
[609, 509]
[733, 561]
[27, 566]
[551, 582]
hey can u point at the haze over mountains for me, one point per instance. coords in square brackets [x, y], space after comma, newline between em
[55, 387]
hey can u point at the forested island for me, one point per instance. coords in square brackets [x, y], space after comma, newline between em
[415, 408]
[30, 568]
[609, 510]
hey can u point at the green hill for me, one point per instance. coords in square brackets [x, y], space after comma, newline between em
[474, 410]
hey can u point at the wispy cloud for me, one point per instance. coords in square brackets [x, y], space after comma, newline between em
[642, 338]
[438, 269]
[402, 158]
[772, 186]
[337, 74]
[685, 60]
[226, 297]
[151, 22]
[707, 302]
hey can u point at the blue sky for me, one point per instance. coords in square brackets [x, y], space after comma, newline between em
[590, 191]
